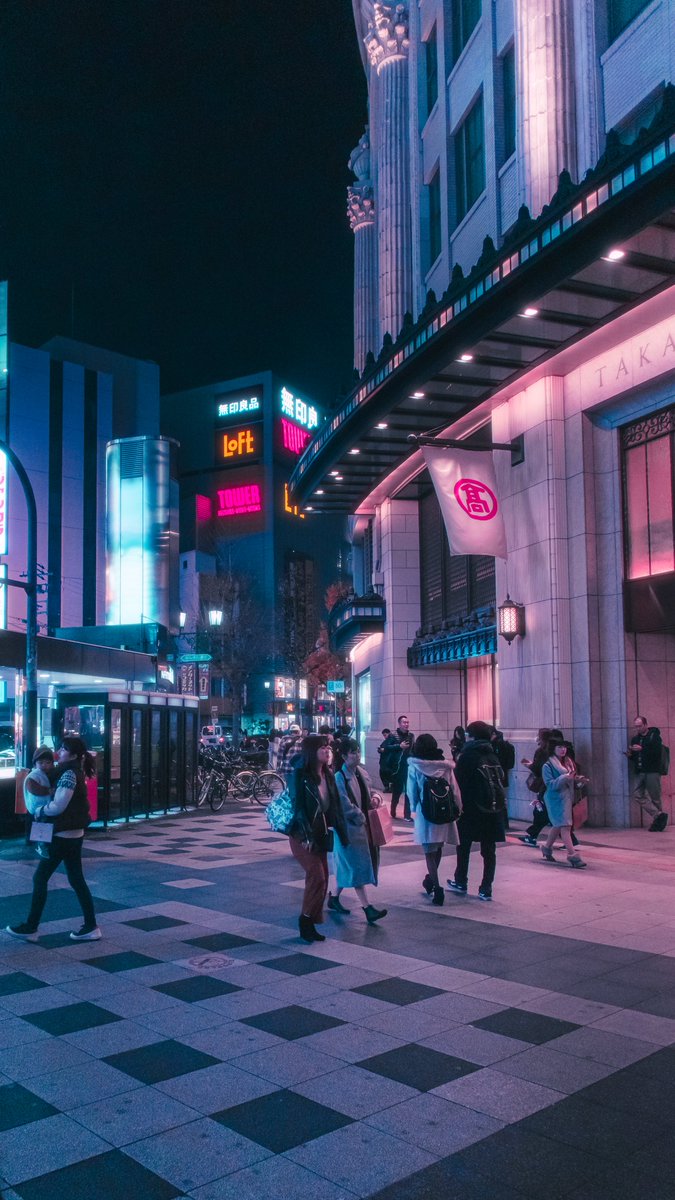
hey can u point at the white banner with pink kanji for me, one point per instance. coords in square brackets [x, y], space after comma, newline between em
[466, 487]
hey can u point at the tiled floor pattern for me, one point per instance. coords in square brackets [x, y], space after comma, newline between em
[200, 1049]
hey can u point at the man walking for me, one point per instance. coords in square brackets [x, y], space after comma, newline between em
[481, 782]
[644, 755]
[394, 761]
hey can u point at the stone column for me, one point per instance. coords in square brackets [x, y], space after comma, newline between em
[546, 96]
[361, 213]
[387, 44]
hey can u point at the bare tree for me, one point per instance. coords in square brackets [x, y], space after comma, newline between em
[240, 640]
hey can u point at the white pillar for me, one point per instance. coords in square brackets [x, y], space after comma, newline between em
[361, 213]
[545, 75]
[387, 44]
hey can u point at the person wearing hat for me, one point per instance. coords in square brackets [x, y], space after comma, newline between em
[482, 820]
[37, 787]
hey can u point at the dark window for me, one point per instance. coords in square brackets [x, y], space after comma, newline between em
[648, 494]
[434, 190]
[465, 17]
[470, 159]
[509, 103]
[620, 13]
[451, 585]
[431, 62]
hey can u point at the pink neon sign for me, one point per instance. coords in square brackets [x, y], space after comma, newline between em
[233, 501]
[294, 438]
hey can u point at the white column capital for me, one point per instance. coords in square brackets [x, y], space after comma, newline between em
[360, 205]
[387, 39]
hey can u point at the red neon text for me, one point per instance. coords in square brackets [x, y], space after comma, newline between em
[235, 500]
[295, 439]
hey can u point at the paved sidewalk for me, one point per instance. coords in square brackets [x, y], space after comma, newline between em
[507, 1050]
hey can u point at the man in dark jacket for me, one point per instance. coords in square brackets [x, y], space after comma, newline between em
[481, 782]
[644, 756]
[394, 761]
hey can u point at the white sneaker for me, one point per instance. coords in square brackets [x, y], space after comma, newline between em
[86, 935]
[22, 932]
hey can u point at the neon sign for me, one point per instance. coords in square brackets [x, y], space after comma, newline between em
[240, 443]
[291, 508]
[294, 438]
[235, 408]
[233, 501]
[298, 410]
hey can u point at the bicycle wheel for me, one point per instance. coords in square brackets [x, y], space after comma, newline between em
[204, 794]
[242, 785]
[267, 786]
[218, 795]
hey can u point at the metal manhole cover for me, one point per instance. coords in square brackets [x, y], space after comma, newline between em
[211, 962]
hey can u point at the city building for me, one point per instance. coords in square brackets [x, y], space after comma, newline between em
[247, 552]
[514, 243]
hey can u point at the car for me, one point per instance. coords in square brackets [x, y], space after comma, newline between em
[212, 735]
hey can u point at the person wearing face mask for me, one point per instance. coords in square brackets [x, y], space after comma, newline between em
[319, 816]
[69, 809]
[559, 774]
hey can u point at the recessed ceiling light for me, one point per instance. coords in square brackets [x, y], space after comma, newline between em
[354, 450]
[319, 492]
[308, 508]
[382, 425]
[334, 474]
[338, 478]
[614, 255]
[417, 396]
[530, 312]
[44, 674]
[465, 358]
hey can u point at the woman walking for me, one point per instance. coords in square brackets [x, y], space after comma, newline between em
[426, 768]
[318, 815]
[356, 865]
[69, 809]
[559, 773]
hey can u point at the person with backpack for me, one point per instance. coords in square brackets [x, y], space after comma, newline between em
[435, 804]
[646, 758]
[481, 783]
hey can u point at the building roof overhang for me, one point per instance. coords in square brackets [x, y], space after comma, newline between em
[598, 251]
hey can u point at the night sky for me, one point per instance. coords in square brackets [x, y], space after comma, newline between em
[179, 168]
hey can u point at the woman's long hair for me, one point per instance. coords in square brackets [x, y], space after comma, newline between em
[309, 749]
[85, 761]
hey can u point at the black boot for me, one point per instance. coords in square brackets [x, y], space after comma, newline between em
[428, 884]
[374, 914]
[306, 928]
[439, 896]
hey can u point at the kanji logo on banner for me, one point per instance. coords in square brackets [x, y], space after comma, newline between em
[466, 488]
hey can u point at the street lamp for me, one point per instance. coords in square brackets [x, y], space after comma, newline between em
[215, 617]
[511, 617]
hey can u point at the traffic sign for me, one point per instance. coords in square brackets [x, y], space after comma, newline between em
[195, 658]
[335, 685]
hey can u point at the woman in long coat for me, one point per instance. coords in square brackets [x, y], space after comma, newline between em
[356, 864]
[427, 762]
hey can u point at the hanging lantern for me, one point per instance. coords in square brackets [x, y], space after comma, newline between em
[511, 617]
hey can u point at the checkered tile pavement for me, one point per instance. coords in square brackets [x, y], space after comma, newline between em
[201, 1049]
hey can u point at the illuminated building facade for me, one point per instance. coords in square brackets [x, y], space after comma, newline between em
[536, 145]
[239, 442]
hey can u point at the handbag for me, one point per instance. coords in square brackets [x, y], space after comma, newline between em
[280, 813]
[380, 824]
[533, 783]
[41, 831]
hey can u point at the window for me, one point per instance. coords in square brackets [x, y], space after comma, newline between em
[648, 491]
[451, 585]
[508, 103]
[465, 16]
[434, 195]
[431, 62]
[620, 13]
[470, 160]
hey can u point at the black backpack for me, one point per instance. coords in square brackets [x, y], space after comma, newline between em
[489, 794]
[438, 801]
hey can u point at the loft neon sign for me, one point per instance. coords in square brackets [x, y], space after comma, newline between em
[294, 438]
[234, 501]
[234, 408]
[291, 508]
[242, 443]
[298, 410]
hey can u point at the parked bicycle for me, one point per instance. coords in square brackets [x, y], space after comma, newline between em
[223, 778]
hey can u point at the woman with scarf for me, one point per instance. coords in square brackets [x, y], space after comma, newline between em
[356, 865]
[318, 813]
[559, 774]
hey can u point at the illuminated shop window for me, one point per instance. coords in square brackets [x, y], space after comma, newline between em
[648, 464]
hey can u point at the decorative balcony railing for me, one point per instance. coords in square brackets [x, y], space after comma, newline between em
[355, 619]
[475, 636]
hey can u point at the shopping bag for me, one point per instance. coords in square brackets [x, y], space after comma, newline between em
[41, 831]
[380, 824]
